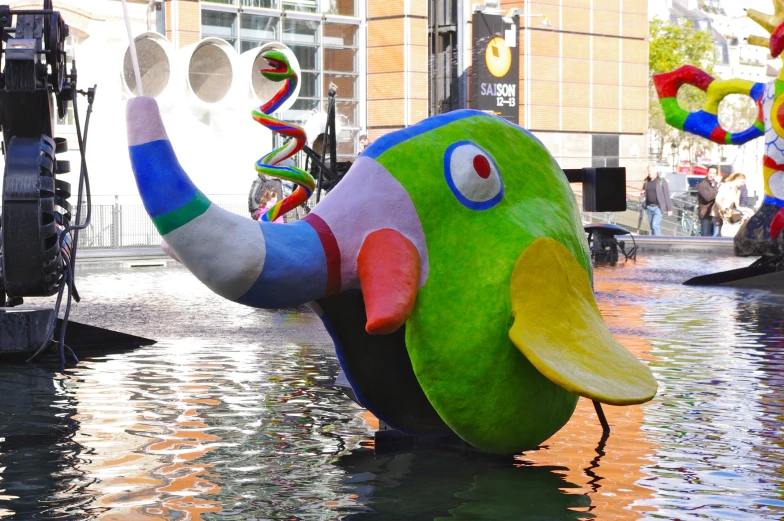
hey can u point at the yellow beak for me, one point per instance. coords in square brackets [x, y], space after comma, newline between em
[558, 327]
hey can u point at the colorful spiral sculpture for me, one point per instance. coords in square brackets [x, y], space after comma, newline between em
[281, 70]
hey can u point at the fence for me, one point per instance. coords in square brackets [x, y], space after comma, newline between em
[125, 226]
[683, 222]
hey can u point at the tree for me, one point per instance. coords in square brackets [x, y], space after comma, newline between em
[672, 45]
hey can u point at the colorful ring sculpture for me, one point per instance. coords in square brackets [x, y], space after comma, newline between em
[705, 123]
[281, 70]
[450, 267]
[762, 234]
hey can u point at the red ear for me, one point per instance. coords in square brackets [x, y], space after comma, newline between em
[388, 269]
[777, 225]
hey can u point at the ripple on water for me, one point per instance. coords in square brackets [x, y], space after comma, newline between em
[232, 416]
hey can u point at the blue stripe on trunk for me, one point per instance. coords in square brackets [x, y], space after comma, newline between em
[162, 183]
[295, 267]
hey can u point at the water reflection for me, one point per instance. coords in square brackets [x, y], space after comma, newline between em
[711, 349]
[39, 457]
[429, 484]
[232, 416]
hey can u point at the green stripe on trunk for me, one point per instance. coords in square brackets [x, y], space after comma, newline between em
[170, 221]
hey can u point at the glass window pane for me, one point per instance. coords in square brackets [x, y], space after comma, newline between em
[346, 85]
[300, 31]
[342, 35]
[218, 23]
[230, 2]
[343, 7]
[301, 110]
[307, 56]
[340, 60]
[309, 6]
[270, 4]
[346, 144]
[258, 27]
[309, 85]
[247, 45]
[347, 112]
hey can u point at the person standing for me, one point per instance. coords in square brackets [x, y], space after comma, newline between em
[728, 206]
[657, 198]
[744, 195]
[364, 142]
[706, 197]
[268, 199]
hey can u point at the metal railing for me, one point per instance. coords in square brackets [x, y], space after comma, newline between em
[684, 221]
[126, 226]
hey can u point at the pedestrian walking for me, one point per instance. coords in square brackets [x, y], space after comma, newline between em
[657, 198]
[707, 189]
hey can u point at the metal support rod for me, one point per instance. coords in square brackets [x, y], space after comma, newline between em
[329, 138]
[315, 158]
[332, 133]
[602, 418]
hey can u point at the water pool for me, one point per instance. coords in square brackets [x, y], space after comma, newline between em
[232, 416]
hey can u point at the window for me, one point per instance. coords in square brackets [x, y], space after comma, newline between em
[268, 4]
[605, 150]
[301, 31]
[340, 71]
[308, 6]
[256, 30]
[342, 7]
[220, 24]
[326, 49]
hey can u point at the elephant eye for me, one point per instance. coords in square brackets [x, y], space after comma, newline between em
[473, 176]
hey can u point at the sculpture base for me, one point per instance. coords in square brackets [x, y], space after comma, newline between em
[753, 238]
[766, 273]
[24, 332]
[23, 329]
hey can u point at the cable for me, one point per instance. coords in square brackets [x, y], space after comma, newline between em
[69, 261]
[84, 182]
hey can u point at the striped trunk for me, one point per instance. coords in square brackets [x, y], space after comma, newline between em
[260, 264]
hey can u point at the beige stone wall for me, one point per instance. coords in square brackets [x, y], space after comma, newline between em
[189, 22]
[589, 69]
[397, 82]
[589, 74]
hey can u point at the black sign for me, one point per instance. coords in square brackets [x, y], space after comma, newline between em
[496, 58]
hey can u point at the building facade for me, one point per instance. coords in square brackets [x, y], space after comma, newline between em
[583, 74]
[586, 80]
[328, 39]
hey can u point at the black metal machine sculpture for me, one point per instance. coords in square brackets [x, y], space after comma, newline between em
[325, 146]
[604, 190]
[35, 202]
[38, 229]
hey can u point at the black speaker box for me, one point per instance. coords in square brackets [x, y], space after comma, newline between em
[604, 189]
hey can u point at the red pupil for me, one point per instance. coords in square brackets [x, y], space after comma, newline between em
[482, 166]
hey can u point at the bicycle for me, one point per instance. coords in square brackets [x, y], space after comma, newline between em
[690, 223]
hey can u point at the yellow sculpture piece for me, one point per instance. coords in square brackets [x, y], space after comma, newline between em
[559, 328]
